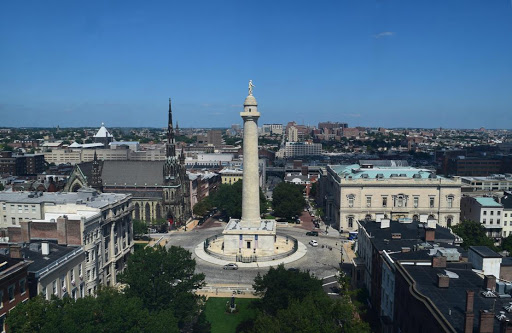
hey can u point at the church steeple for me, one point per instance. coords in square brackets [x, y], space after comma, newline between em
[171, 148]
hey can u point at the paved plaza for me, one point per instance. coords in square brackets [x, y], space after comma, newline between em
[322, 261]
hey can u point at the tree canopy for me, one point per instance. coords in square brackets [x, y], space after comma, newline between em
[110, 311]
[164, 279]
[288, 200]
[139, 227]
[228, 198]
[294, 301]
[473, 234]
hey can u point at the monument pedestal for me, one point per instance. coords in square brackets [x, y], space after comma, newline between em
[247, 241]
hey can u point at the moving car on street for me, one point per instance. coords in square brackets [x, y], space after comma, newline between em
[312, 233]
[313, 243]
[231, 266]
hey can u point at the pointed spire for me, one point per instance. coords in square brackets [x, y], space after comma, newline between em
[171, 149]
[95, 155]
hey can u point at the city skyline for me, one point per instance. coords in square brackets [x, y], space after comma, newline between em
[394, 65]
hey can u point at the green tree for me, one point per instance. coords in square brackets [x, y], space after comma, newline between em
[164, 279]
[473, 234]
[228, 198]
[110, 311]
[506, 244]
[288, 200]
[295, 302]
[203, 206]
[279, 286]
[139, 227]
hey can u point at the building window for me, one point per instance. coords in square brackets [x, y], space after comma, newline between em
[492, 212]
[432, 202]
[351, 201]
[80, 270]
[63, 281]
[44, 294]
[505, 223]
[485, 212]
[368, 201]
[491, 221]
[4, 206]
[1, 299]
[33, 208]
[20, 209]
[13, 220]
[399, 201]
[498, 213]
[23, 287]
[416, 202]
[72, 274]
[384, 201]
[54, 287]
[26, 208]
[350, 221]
[10, 292]
[484, 221]
[450, 201]
[498, 221]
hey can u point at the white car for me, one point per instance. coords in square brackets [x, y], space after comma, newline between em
[313, 243]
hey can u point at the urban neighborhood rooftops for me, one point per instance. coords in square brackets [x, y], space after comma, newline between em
[356, 171]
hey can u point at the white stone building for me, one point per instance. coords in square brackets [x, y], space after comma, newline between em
[100, 223]
[486, 211]
[355, 192]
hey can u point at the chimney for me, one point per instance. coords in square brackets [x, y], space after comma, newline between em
[62, 232]
[443, 281]
[486, 322]
[490, 282]
[45, 248]
[469, 315]
[430, 235]
[439, 261]
[15, 251]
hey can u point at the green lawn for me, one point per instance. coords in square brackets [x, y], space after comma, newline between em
[223, 322]
[139, 246]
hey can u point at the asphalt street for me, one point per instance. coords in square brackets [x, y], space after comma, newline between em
[322, 261]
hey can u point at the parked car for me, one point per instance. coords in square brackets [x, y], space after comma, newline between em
[313, 243]
[312, 233]
[231, 266]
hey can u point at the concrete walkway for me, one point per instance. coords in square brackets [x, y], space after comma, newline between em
[301, 252]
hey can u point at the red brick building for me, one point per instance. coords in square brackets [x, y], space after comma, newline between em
[13, 284]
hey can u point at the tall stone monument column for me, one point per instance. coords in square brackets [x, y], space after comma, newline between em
[251, 188]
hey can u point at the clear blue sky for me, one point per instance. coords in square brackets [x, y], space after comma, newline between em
[371, 63]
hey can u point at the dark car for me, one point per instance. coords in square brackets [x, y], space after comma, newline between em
[312, 233]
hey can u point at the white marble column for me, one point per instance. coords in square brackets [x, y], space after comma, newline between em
[251, 189]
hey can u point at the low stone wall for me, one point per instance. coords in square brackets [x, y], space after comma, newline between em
[252, 258]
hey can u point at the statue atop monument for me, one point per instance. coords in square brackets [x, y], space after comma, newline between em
[250, 87]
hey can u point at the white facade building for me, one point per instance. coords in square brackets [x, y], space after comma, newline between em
[356, 192]
[485, 211]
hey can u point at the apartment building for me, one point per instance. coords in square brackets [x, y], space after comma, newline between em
[100, 223]
[486, 211]
[13, 285]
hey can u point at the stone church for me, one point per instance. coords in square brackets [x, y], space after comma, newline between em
[160, 189]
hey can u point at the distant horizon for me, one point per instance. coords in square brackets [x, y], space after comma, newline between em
[259, 126]
[393, 64]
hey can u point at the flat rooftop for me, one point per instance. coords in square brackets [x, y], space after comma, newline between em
[356, 171]
[88, 197]
[265, 225]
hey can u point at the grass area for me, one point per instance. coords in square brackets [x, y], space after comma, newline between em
[139, 246]
[223, 322]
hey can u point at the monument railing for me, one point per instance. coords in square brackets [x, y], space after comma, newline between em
[252, 258]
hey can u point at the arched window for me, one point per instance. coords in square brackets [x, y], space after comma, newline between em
[158, 212]
[148, 213]
[415, 218]
[136, 211]
[351, 198]
[368, 217]
[76, 187]
[449, 221]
